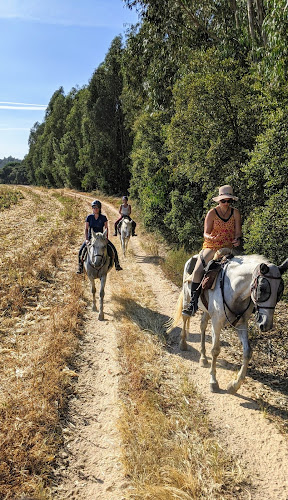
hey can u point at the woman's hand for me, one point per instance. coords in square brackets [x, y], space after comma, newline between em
[209, 236]
[236, 242]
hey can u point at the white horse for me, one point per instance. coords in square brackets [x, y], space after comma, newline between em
[244, 283]
[125, 234]
[97, 265]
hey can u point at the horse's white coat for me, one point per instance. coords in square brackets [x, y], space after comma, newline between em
[97, 265]
[237, 293]
[125, 234]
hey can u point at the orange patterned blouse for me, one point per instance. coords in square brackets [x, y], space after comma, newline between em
[224, 232]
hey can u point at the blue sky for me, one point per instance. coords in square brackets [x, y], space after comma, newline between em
[46, 44]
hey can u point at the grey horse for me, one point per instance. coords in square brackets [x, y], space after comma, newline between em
[125, 234]
[97, 264]
[245, 283]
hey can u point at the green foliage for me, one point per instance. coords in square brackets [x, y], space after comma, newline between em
[13, 173]
[173, 265]
[215, 122]
[266, 230]
[150, 173]
[267, 171]
[185, 219]
[197, 98]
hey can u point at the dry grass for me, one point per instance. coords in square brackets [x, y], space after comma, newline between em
[41, 308]
[169, 449]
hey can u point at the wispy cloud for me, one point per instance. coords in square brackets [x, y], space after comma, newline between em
[14, 128]
[22, 105]
[89, 13]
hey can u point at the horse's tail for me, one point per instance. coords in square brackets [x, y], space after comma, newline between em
[173, 322]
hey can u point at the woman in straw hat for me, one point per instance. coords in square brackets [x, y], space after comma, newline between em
[222, 229]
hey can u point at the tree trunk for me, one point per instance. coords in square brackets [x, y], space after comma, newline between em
[251, 18]
[233, 4]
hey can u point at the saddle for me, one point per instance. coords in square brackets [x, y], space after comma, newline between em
[211, 272]
[120, 223]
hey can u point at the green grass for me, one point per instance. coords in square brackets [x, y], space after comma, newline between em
[173, 265]
[9, 196]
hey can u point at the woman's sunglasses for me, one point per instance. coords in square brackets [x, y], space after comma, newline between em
[226, 201]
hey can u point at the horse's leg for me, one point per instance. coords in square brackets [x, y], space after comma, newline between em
[123, 245]
[93, 290]
[101, 297]
[183, 343]
[215, 330]
[242, 331]
[203, 325]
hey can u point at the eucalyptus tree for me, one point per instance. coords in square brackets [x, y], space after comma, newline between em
[108, 151]
[68, 156]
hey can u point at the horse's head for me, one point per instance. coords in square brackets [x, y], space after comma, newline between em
[97, 249]
[266, 290]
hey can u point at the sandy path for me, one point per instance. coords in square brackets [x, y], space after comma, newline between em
[91, 458]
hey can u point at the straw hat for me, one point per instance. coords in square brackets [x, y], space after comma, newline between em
[224, 193]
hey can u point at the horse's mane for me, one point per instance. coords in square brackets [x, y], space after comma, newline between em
[252, 259]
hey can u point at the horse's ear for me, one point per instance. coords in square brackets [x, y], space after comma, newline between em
[264, 269]
[284, 266]
[105, 233]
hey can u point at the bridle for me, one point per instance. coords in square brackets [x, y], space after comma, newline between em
[238, 316]
[102, 261]
[260, 273]
[256, 291]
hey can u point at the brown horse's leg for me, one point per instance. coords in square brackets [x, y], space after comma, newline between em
[247, 353]
[203, 325]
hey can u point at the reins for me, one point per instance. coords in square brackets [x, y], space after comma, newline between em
[103, 261]
[225, 305]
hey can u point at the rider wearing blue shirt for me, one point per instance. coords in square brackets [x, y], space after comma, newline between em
[98, 222]
[97, 225]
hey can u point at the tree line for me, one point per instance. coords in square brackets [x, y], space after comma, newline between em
[195, 98]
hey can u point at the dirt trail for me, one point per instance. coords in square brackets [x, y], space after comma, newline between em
[91, 458]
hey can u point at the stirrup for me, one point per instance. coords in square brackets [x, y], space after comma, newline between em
[190, 310]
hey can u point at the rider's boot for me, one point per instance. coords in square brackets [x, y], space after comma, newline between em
[80, 267]
[117, 266]
[192, 308]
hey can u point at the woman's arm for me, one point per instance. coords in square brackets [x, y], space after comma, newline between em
[106, 227]
[208, 225]
[86, 231]
[129, 213]
[120, 210]
[238, 228]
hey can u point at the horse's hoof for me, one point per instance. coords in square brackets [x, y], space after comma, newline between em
[214, 387]
[101, 317]
[231, 388]
[94, 308]
[184, 346]
[203, 362]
